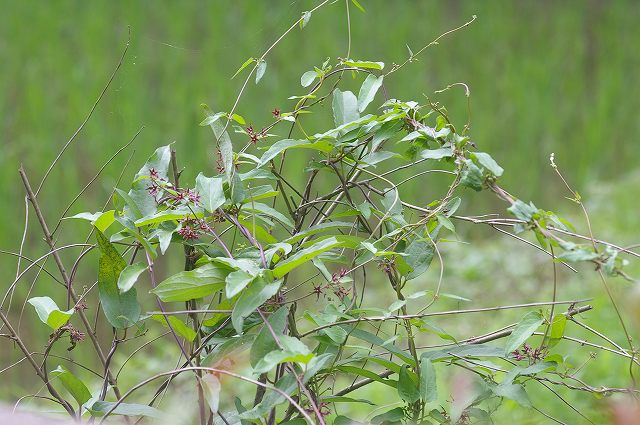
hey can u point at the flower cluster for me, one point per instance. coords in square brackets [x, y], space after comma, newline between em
[192, 228]
[219, 162]
[335, 285]
[254, 136]
[157, 183]
[75, 336]
[526, 352]
[387, 265]
[324, 408]
[186, 195]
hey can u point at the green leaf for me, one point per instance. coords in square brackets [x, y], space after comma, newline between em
[193, 284]
[307, 78]
[420, 253]
[374, 158]
[578, 254]
[256, 294]
[471, 176]
[267, 210]
[428, 386]
[260, 69]
[487, 162]
[522, 210]
[100, 408]
[344, 420]
[305, 255]
[407, 386]
[513, 392]
[469, 350]
[71, 383]
[223, 140]
[139, 195]
[167, 215]
[210, 191]
[343, 399]
[129, 276]
[436, 153]
[345, 107]
[523, 330]
[177, 325]
[392, 416]
[121, 309]
[236, 281]
[264, 342]
[366, 374]
[286, 384]
[557, 327]
[239, 119]
[377, 341]
[243, 66]
[293, 351]
[211, 388]
[368, 91]
[49, 313]
[101, 220]
[282, 145]
[358, 5]
[306, 15]
[318, 228]
[364, 64]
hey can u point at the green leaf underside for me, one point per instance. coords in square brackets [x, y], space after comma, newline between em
[129, 276]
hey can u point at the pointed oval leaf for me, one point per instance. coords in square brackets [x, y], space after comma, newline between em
[210, 191]
[307, 78]
[345, 107]
[368, 91]
[129, 276]
[428, 387]
[256, 294]
[71, 383]
[193, 284]
[211, 389]
[523, 330]
[49, 313]
[260, 70]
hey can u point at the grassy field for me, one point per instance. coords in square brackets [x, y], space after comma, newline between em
[544, 76]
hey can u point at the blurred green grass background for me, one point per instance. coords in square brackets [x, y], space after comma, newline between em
[545, 77]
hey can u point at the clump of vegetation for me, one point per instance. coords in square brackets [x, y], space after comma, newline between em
[285, 273]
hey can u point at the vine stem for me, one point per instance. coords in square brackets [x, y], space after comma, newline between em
[437, 313]
[65, 277]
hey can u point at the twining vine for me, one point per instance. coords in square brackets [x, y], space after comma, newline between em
[283, 268]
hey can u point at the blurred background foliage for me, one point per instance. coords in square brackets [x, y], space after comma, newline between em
[545, 76]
